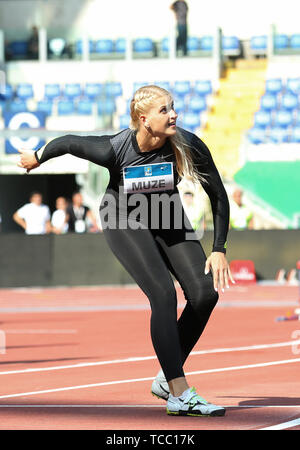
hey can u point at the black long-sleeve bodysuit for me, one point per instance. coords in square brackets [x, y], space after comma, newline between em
[140, 214]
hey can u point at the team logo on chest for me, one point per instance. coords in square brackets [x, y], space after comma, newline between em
[148, 178]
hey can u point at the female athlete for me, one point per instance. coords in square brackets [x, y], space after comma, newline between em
[146, 228]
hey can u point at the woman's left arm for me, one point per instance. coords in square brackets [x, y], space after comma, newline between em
[213, 186]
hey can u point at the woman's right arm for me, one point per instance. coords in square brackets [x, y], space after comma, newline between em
[96, 149]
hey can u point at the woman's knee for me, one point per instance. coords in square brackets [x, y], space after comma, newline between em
[203, 298]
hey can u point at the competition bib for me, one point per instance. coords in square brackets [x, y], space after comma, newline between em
[148, 178]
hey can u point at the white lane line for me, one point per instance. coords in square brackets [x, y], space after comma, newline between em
[137, 406]
[136, 380]
[283, 425]
[292, 343]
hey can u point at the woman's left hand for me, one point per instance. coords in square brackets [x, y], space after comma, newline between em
[218, 263]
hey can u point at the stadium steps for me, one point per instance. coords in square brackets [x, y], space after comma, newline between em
[232, 114]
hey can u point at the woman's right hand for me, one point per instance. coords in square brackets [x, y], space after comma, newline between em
[28, 160]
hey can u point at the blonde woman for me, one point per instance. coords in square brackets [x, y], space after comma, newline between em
[146, 228]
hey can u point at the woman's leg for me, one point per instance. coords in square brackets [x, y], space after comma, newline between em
[186, 260]
[138, 253]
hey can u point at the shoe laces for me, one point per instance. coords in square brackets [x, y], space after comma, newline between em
[194, 399]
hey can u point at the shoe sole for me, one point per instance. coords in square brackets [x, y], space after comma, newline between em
[217, 413]
[158, 396]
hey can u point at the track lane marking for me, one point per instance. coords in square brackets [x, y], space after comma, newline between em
[283, 425]
[136, 380]
[148, 358]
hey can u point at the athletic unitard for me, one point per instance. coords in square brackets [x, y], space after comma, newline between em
[146, 228]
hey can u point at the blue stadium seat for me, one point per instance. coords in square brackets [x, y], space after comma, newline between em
[92, 90]
[18, 49]
[274, 85]
[193, 44]
[203, 87]
[45, 106]
[16, 106]
[24, 91]
[197, 104]
[262, 119]
[124, 121]
[120, 45]
[293, 85]
[78, 46]
[65, 107]
[104, 46]
[281, 41]
[278, 135]
[106, 107]
[165, 44]
[231, 45]
[164, 84]
[258, 44]
[296, 121]
[289, 101]
[179, 104]
[190, 121]
[139, 84]
[113, 89]
[268, 102]
[182, 88]
[207, 43]
[295, 41]
[72, 90]
[143, 45]
[283, 118]
[295, 134]
[8, 92]
[52, 91]
[257, 135]
[85, 106]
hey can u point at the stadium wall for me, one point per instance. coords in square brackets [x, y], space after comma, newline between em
[78, 260]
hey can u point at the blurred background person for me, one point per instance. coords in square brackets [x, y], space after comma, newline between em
[180, 9]
[194, 212]
[59, 219]
[241, 217]
[81, 218]
[34, 217]
[33, 44]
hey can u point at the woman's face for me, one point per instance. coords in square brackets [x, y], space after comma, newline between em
[160, 118]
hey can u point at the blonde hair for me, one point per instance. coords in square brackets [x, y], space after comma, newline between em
[141, 102]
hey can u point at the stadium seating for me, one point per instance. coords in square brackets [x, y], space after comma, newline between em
[262, 119]
[104, 46]
[295, 134]
[257, 135]
[85, 106]
[193, 44]
[124, 121]
[106, 107]
[24, 91]
[52, 91]
[92, 90]
[190, 121]
[65, 107]
[113, 89]
[268, 102]
[278, 135]
[182, 88]
[45, 106]
[79, 47]
[274, 85]
[295, 41]
[120, 46]
[203, 87]
[16, 106]
[281, 42]
[231, 46]
[143, 47]
[197, 104]
[258, 44]
[72, 90]
[289, 101]
[18, 49]
[293, 85]
[283, 118]
[207, 43]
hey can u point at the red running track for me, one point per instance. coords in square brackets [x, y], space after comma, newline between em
[82, 359]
